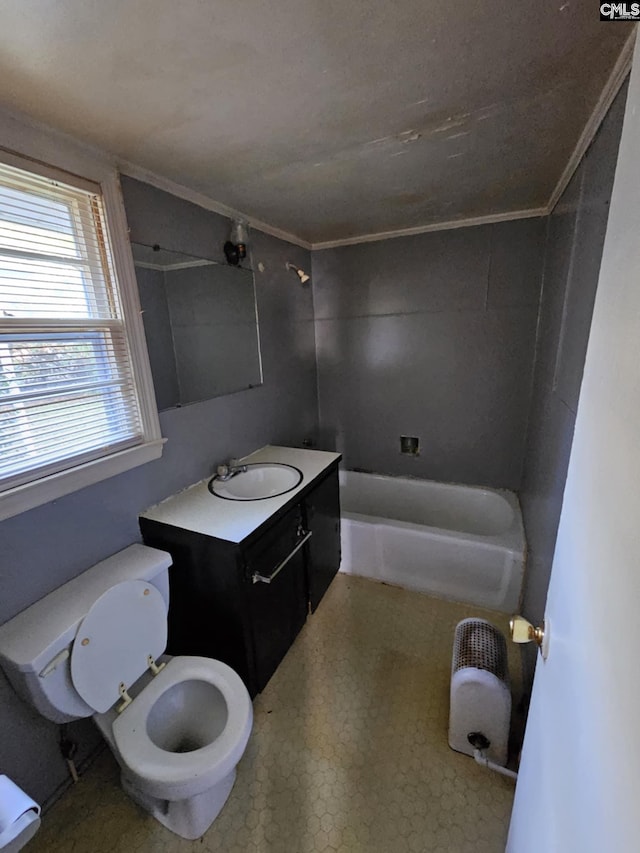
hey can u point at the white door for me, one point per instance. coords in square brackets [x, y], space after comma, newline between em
[579, 785]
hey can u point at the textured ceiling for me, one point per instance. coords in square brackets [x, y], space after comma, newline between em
[326, 119]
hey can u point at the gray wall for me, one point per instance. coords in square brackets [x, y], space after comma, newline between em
[43, 548]
[434, 336]
[575, 237]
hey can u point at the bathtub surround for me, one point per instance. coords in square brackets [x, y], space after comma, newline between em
[575, 238]
[43, 548]
[432, 336]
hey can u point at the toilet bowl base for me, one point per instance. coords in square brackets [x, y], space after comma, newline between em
[188, 818]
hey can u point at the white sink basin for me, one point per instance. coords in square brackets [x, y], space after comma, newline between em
[261, 480]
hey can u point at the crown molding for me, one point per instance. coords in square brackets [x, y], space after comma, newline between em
[202, 200]
[490, 218]
[611, 88]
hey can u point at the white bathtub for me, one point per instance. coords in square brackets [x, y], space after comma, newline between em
[460, 542]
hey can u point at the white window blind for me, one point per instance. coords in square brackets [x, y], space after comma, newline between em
[67, 389]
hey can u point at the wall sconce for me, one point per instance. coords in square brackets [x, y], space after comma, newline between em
[302, 275]
[235, 249]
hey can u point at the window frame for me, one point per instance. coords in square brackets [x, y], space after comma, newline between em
[97, 174]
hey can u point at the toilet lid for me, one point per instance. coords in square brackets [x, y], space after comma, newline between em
[125, 625]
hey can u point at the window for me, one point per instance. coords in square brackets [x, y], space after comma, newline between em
[69, 377]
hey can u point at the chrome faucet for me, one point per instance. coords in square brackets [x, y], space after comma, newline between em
[228, 470]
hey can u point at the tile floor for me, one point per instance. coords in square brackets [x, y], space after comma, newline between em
[348, 753]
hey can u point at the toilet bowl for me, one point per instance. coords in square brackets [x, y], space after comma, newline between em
[180, 739]
[176, 725]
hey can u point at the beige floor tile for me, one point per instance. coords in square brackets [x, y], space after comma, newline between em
[348, 752]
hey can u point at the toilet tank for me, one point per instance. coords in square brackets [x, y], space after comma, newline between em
[35, 645]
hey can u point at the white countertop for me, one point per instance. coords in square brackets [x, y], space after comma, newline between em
[197, 509]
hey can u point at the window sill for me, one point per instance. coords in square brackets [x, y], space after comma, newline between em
[30, 495]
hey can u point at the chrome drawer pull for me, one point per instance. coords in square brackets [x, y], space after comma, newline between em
[256, 577]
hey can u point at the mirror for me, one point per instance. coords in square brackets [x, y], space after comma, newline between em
[201, 324]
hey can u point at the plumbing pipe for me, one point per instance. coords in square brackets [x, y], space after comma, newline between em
[482, 759]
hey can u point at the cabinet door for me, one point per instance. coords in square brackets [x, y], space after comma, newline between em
[277, 593]
[322, 510]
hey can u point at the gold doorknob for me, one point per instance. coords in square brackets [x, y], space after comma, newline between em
[522, 631]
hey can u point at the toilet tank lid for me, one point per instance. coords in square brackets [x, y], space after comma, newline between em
[34, 636]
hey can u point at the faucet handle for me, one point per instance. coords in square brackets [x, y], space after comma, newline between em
[222, 470]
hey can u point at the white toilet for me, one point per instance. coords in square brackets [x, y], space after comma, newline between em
[177, 726]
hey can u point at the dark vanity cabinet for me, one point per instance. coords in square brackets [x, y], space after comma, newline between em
[244, 603]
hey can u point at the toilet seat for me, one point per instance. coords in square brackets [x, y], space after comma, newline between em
[126, 625]
[178, 775]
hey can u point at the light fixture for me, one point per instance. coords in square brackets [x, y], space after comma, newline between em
[302, 275]
[235, 249]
